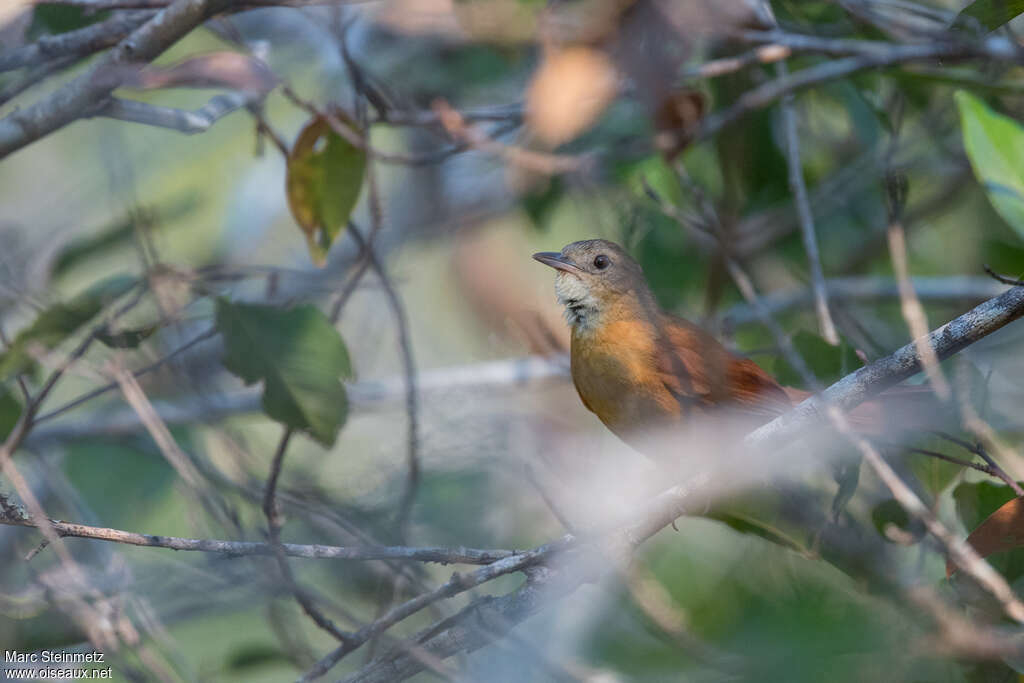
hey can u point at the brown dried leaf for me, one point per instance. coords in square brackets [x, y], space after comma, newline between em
[1002, 530]
[231, 70]
[569, 91]
[678, 112]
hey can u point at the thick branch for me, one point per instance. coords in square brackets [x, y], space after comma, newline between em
[81, 95]
[78, 43]
[872, 379]
[182, 120]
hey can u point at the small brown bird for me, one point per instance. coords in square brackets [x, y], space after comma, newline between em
[637, 367]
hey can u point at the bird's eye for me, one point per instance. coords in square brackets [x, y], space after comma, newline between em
[601, 262]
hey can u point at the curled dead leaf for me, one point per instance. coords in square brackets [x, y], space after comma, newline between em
[231, 70]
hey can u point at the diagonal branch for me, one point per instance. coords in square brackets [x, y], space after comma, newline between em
[546, 583]
[85, 92]
[181, 120]
[438, 554]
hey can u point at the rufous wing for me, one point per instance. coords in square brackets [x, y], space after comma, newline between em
[699, 371]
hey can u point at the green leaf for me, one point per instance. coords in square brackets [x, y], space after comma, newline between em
[298, 355]
[50, 19]
[890, 512]
[989, 14]
[750, 524]
[10, 411]
[99, 243]
[995, 146]
[934, 473]
[58, 322]
[976, 501]
[126, 339]
[325, 175]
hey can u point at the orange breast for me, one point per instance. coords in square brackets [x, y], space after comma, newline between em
[615, 370]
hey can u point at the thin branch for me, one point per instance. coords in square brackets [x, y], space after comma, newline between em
[455, 585]
[934, 289]
[764, 95]
[979, 450]
[78, 97]
[910, 304]
[438, 554]
[803, 208]
[960, 552]
[77, 43]
[274, 523]
[364, 396]
[156, 365]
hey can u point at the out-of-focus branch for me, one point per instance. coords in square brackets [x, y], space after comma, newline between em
[455, 585]
[78, 43]
[885, 372]
[803, 209]
[873, 56]
[181, 120]
[547, 582]
[935, 289]
[81, 95]
[364, 395]
[910, 304]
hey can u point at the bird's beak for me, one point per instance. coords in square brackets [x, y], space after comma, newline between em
[556, 261]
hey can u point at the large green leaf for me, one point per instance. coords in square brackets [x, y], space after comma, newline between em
[298, 355]
[995, 146]
[325, 175]
[59, 321]
[990, 14]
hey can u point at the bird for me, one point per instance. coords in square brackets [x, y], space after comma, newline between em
[638, 368]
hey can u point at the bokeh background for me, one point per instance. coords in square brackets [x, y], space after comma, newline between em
[801, 576]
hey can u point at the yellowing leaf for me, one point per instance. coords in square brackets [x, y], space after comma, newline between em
[325, 175]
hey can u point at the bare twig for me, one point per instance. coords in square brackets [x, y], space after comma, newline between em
[181, 120]
[803, 208]
[438, 554]
[910, 305]
[78, 97]
[847, 289]
[77, 44]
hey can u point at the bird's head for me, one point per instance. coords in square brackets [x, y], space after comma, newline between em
[593, 277]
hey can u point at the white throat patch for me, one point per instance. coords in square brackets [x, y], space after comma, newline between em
[580, 306]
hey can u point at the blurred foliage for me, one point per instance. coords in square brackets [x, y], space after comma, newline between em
[58, 322]
[989, 14]
[787, 583]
